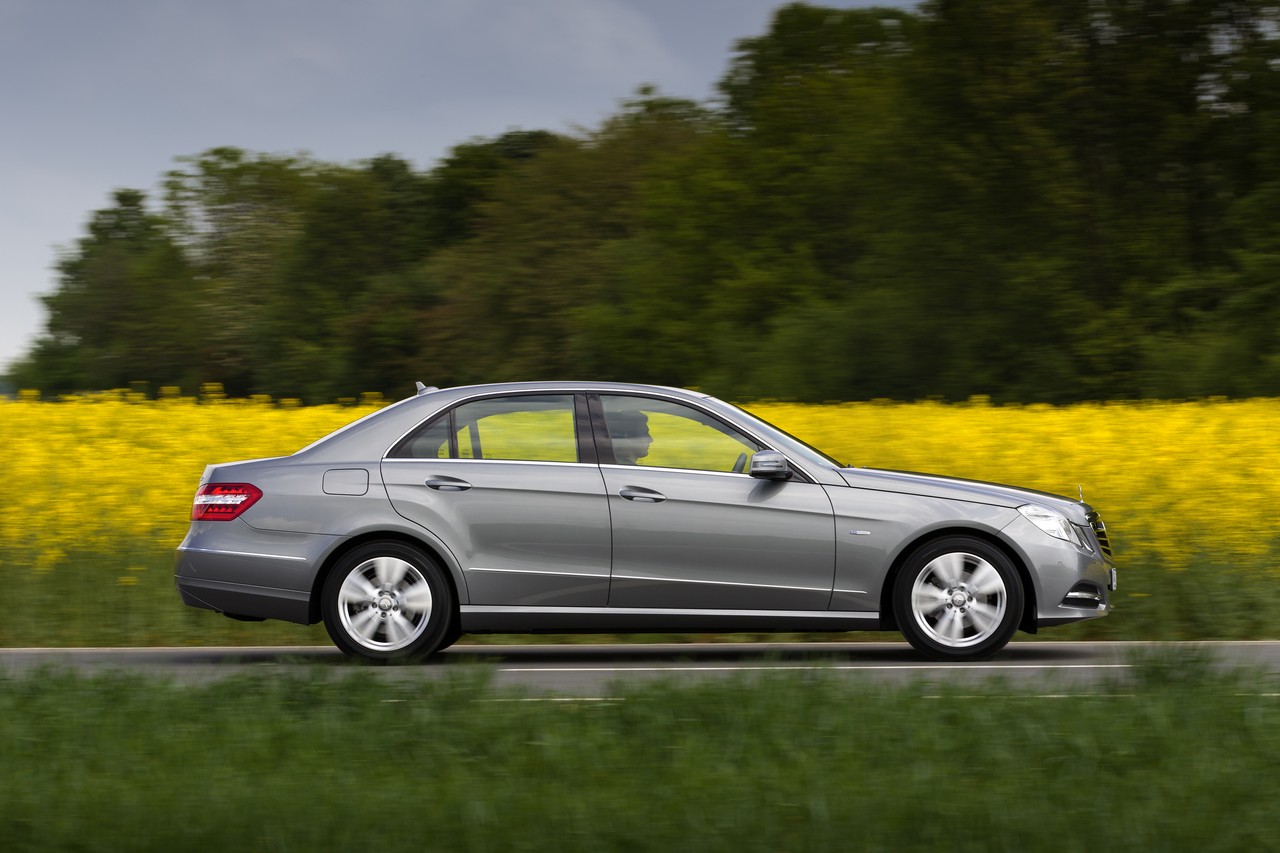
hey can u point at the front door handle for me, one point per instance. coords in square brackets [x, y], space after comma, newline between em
[641, 495]
[448, 484]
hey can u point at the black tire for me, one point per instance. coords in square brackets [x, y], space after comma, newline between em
[957, 599]
[387, 602]
[452, 635]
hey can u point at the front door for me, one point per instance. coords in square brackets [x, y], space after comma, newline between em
[691, 530]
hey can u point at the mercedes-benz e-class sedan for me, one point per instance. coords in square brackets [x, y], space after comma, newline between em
[606, 507]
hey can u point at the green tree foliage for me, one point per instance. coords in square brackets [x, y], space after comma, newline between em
[1034, 200]
[463, 180]
[124, 310]
[543, 287]
[238, 217]
[767, 225]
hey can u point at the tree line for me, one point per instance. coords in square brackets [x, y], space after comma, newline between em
[1035, 200]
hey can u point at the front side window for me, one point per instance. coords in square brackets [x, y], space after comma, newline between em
[658, 433]
[524, 428]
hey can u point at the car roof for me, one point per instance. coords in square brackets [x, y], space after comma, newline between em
[568, 385]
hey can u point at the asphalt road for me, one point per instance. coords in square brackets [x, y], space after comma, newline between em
[588, 671]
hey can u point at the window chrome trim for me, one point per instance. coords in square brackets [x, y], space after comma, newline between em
[451, 461]
[605, 391]
[615, 466]
[449, 408]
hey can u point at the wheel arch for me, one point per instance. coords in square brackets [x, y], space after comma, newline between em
[1027, 623]
[433, 551]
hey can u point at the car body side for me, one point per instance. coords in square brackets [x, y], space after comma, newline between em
[319, 503]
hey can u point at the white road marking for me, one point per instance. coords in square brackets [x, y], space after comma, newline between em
[605, 699]
[950, 667]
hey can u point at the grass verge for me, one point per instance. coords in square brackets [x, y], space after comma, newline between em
[1175, 756]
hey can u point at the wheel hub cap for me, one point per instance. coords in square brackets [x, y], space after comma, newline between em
[959, 600]
[385, 604]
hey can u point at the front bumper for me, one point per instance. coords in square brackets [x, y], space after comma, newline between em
[1071, 584]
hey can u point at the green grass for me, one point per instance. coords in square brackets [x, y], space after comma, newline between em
[1177, 755]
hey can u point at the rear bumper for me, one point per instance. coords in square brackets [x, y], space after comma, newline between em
[240, 600]
[232, 568]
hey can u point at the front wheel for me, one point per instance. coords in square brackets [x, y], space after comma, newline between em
[958, 599]
[387, 602]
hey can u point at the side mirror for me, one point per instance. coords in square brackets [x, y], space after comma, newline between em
[769, 465]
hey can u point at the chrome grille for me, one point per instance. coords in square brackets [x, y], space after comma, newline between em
[1100, 531]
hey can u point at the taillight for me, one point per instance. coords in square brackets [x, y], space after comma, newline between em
[223, 501]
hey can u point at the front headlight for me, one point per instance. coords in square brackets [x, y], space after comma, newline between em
[1052, 522]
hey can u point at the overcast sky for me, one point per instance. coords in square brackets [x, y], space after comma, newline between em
[103, 94]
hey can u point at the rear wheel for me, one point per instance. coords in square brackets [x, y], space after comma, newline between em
[387, 602]
[452, 635]
[958, 598]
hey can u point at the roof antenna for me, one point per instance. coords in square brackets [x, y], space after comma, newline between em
[423, 389]
[1080, 487]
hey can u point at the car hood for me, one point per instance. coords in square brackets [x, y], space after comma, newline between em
[955, 488]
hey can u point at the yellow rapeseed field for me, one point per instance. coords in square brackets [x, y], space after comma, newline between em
[112, 475]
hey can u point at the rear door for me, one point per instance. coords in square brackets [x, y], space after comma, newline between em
[505, 483]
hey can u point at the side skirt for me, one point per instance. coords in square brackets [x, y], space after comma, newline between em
[489, 619]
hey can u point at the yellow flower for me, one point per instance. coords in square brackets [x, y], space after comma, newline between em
[113, 475]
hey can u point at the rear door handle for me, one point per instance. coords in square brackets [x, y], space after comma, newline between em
[642, 496]
[448, 484]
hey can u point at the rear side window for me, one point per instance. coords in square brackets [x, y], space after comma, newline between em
[524, 428]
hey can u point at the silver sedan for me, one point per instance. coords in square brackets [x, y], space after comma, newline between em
[606, 507]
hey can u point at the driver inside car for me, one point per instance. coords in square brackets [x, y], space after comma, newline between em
[629, 433]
